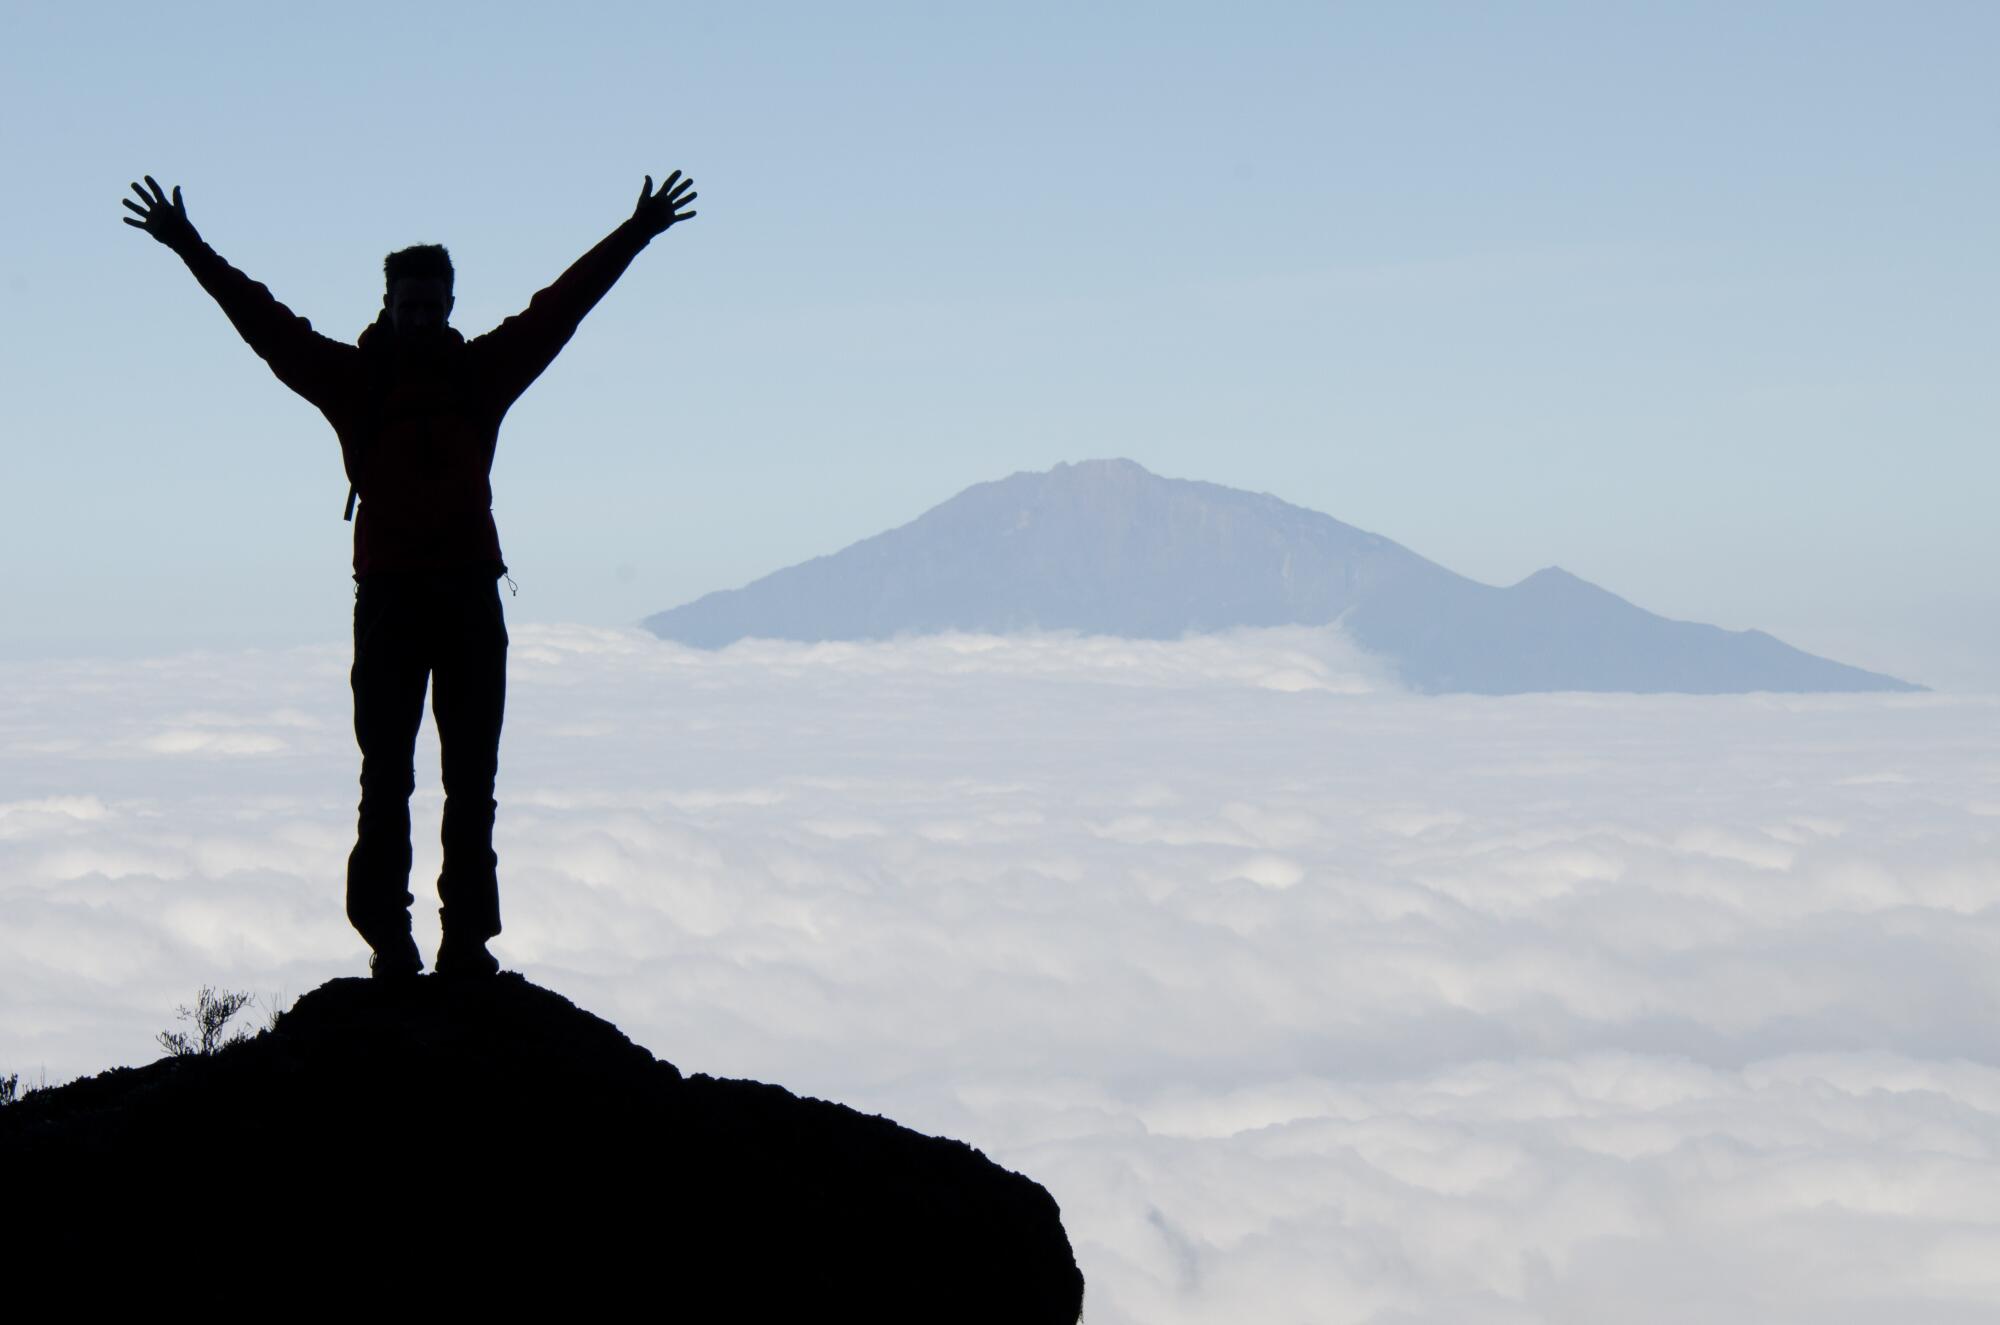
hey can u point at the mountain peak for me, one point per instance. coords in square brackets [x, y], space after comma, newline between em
[1113, 465]
[1554, 579]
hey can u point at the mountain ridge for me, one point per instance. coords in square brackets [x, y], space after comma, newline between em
[1106, 547]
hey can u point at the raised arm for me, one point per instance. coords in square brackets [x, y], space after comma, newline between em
[303, 360]
[525, 344]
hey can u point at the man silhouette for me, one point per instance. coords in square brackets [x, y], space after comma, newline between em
[417, 408]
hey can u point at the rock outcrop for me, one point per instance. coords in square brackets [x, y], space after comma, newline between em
[490, 1142]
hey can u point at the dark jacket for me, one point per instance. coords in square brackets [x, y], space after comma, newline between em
[417, 433]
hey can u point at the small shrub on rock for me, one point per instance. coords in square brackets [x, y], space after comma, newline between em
[210, 1016]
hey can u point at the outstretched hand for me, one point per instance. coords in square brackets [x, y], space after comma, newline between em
[657, 211]
[163, 220]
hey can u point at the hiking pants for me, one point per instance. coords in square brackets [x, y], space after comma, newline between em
[446, 628]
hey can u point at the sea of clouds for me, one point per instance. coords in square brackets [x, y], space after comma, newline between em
[1308, 999]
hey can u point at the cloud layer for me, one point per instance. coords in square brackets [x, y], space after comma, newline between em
[1308, 999]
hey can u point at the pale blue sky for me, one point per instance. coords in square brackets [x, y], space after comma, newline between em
[1695, 300]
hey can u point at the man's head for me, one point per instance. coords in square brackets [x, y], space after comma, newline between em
[418, 294]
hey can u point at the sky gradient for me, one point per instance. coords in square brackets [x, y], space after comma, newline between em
[1695, 301]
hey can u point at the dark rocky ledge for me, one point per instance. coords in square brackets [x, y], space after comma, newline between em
[506, 1147]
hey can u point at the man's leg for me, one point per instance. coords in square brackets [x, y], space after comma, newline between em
[468, 698]
[388, 678]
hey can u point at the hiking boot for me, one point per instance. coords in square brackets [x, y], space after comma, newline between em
[466, 959]
[395, 959]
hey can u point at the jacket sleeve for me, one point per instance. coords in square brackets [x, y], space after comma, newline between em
[521, 347]
[304, 360]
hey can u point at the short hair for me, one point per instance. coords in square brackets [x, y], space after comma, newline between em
[424, 262]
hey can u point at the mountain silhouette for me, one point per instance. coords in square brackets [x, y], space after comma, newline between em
[1105, 547]
[487, 1140]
